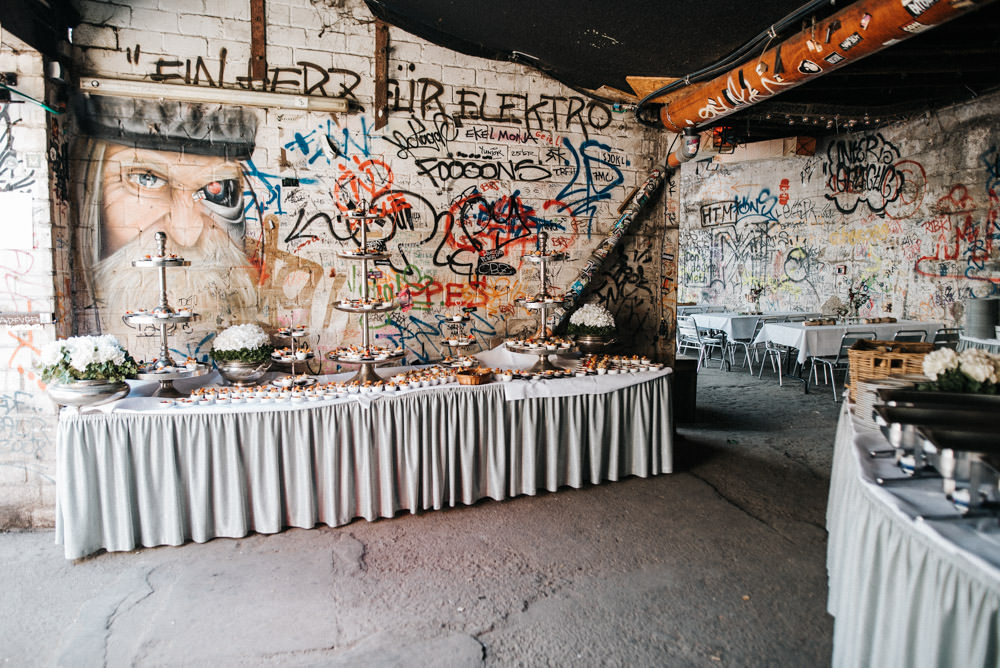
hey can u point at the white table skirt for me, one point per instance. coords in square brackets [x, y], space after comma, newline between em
[126, 480]
[824, 340]
[989, 345]
[905, 592]
[738, 325]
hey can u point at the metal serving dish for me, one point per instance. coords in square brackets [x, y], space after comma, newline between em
[967, 402]
[962, 440]
[900, 424]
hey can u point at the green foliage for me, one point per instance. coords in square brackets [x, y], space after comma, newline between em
[255, 355]
[953, 380]
[587, 330]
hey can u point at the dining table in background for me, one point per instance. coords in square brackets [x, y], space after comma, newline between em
[989, 345]
[741, 325]
[691, 309]
[824, 340]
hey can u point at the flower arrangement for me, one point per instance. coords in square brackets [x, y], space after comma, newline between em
[591, 320]
[755, 292]
[242, 343]
[86, 358]
[972, 370]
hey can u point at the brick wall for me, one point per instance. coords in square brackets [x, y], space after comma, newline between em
[478, 157]
[904, 215]
[27, 449]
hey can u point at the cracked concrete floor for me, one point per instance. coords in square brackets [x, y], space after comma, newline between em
[720, 563]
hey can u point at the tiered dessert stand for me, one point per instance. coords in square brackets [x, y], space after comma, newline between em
[369, 356]
[542, 303]
[164, 369]
[300, 352]
[456, 339]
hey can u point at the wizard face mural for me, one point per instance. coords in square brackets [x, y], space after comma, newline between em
[146, 168]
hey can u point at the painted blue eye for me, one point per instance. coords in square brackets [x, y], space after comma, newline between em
[147, 180]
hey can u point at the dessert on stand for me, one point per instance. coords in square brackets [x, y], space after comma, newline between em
[164, 369]
[543, 302]
[366, 356]
[297, 352]
[453, 333]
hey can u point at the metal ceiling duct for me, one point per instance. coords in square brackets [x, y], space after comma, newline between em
[854, 32]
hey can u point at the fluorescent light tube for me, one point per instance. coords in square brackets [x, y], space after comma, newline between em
[246, 98]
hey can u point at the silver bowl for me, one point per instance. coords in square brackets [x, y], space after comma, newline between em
[81, 393]
[243, 373]
[593, 344]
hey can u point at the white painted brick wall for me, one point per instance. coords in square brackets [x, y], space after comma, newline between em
[187, 29]
[153, 20]
[187, 6]
[185, 47]
[202, 26]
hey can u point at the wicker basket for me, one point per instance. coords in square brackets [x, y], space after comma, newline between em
[870, 360]
[478, 376]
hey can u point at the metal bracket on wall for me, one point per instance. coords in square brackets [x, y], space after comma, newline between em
[381, 74]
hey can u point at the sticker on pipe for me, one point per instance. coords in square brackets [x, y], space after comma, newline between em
[850, 42]
[809, 67]
[918, 7]
[913, 27]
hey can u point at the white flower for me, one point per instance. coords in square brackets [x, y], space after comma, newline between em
[109, 350]
[592, 315]
[51, 353]
[939, 361]
[82, 351]
[239, 337]
[978, 365]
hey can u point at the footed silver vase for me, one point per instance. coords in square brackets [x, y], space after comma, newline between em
[594, 344]
[243, 373]
[84, 393]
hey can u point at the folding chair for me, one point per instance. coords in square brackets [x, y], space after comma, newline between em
[774, 352]
[916, 335]
[746, 344]
[689, 336]
[947, 337]
[838, 362]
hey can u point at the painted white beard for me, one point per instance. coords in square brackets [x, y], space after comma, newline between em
[218, 286]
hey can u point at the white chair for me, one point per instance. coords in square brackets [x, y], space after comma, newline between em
[947, 337]
[774, 352]
[910, 335]
[838, 362]
[746, 345]
[689, 336]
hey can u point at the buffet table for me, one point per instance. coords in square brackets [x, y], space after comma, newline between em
[903, 591]
[137, 475]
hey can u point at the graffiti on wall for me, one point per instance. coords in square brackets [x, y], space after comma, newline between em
[876, 224]
[465, 179]
[14, 174]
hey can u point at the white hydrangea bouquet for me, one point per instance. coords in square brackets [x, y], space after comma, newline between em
[591, 320]
[242, 343]
[972, 370]
[85, 358]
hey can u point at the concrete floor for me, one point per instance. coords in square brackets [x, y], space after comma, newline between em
[721, 563]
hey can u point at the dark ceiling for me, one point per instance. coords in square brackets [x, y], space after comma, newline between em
[587, 45]
[593, 46]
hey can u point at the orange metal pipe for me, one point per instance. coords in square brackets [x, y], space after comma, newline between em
[845, 37]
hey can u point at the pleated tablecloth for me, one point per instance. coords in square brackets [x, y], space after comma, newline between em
[130, 479]
[906, 592]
